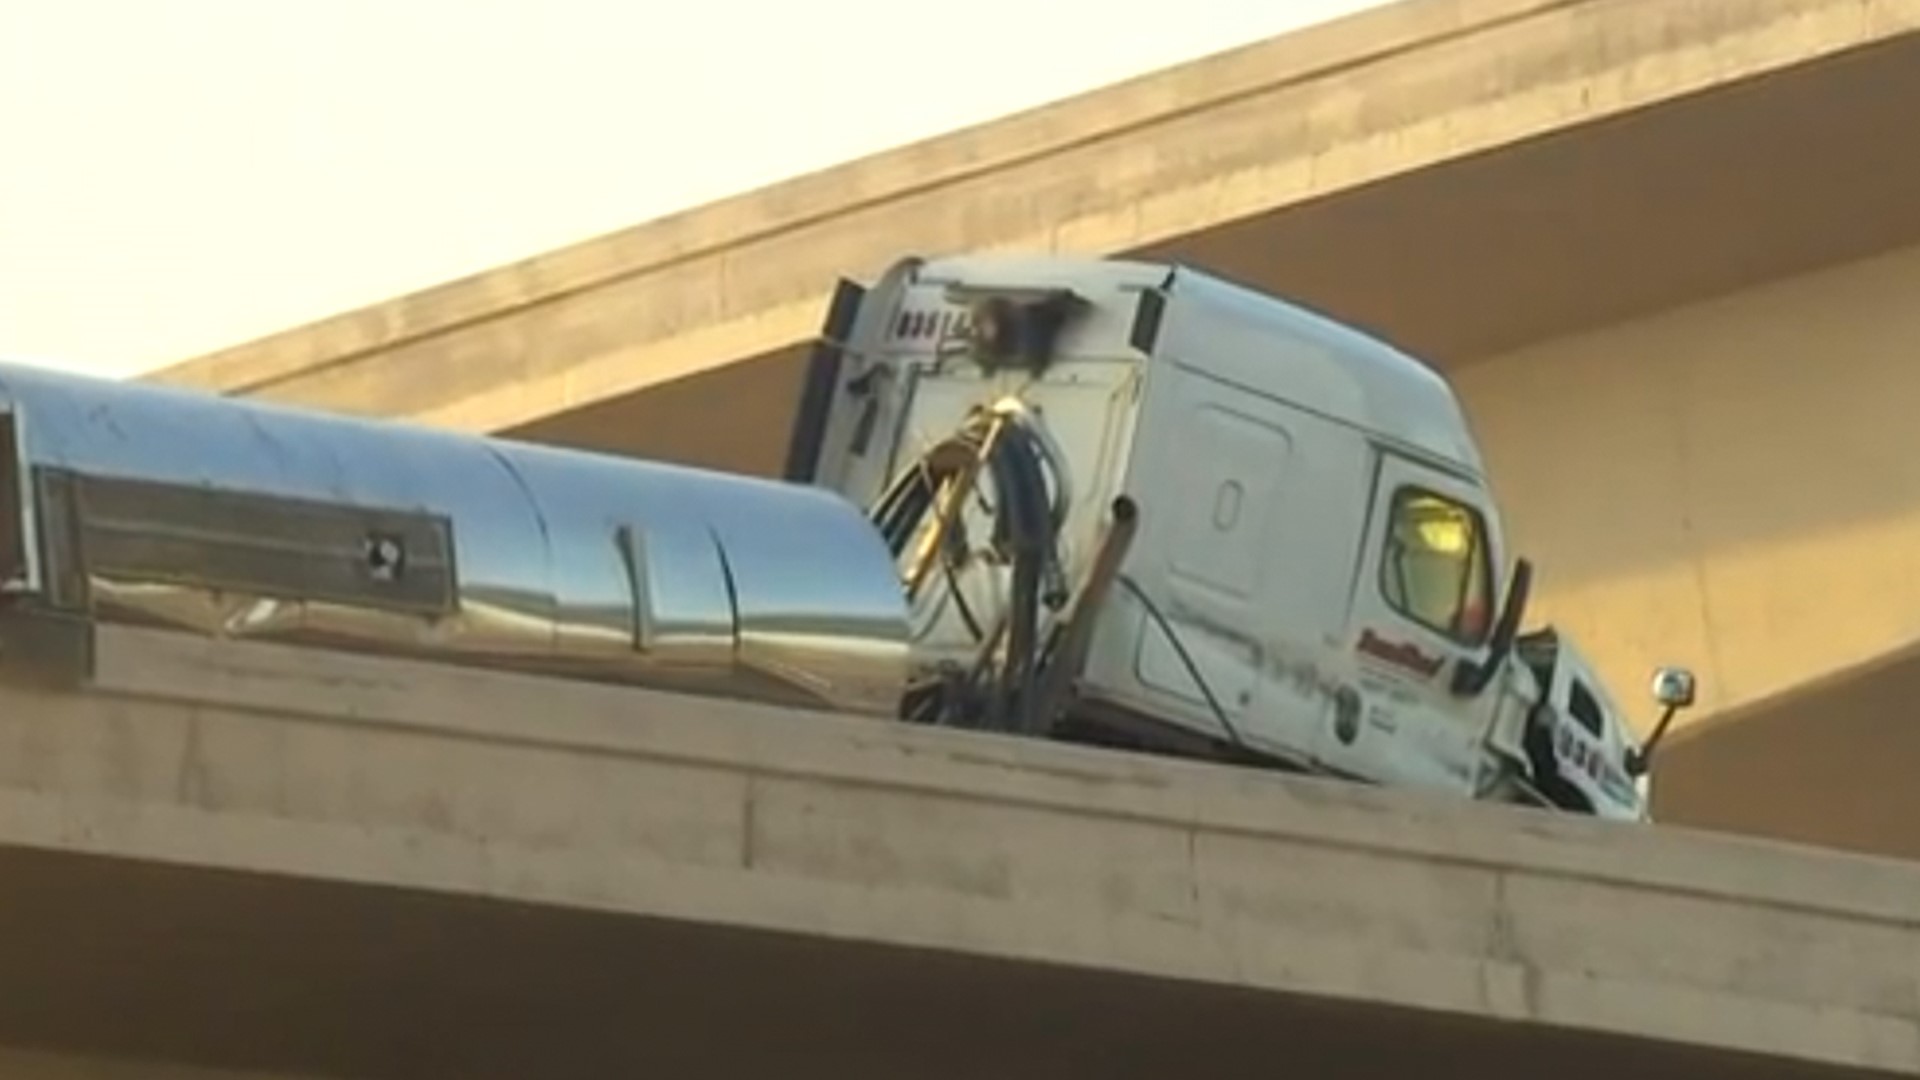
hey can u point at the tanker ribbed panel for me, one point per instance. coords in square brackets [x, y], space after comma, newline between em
[237, 518]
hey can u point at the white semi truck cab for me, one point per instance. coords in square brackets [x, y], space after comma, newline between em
[1137, 505]
[1104, 501]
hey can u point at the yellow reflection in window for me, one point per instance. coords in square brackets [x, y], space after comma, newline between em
[1440, 527]
[1435, 563]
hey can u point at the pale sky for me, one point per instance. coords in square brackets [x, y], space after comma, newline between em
[179, 175]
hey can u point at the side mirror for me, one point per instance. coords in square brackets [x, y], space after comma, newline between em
[1470, 679]
[1673, 688]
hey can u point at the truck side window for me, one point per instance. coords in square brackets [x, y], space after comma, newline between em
[1435, 568]
[1585, 710]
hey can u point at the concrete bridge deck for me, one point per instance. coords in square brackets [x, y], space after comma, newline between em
[242, 856]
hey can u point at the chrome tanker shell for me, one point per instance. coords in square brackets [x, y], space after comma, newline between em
[239, 518]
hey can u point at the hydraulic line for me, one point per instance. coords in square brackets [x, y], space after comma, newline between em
[1027, 526]
[1002, 443]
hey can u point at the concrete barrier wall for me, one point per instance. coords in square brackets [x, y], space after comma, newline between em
[375, 772]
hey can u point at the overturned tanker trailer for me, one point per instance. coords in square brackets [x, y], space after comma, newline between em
[131, 502]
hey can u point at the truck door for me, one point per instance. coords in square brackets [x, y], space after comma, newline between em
[1423, 603]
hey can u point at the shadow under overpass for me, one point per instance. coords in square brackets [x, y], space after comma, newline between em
[1829, 762]
[222, 969]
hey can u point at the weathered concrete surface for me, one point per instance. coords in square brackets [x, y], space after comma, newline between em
[1157, 161]
[370, 982]
[251, 858]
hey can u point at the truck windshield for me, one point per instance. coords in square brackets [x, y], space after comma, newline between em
[1435, 568]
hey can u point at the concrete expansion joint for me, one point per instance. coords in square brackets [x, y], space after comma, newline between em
[1509, 979]
[1196, 903]
[749, 822]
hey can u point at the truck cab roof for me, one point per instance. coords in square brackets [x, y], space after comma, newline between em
[1336, 370]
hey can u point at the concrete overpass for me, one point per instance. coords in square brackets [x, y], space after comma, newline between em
[1666, 251]
[1623, 227]
[271, 862]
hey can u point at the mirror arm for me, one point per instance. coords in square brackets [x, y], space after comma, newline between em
[1469, 679]
[1642, 757]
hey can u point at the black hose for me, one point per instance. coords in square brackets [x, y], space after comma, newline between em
[902, 505]
[1025, 527]
[1165, 627]
[1019, 475]
[1014, 532]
